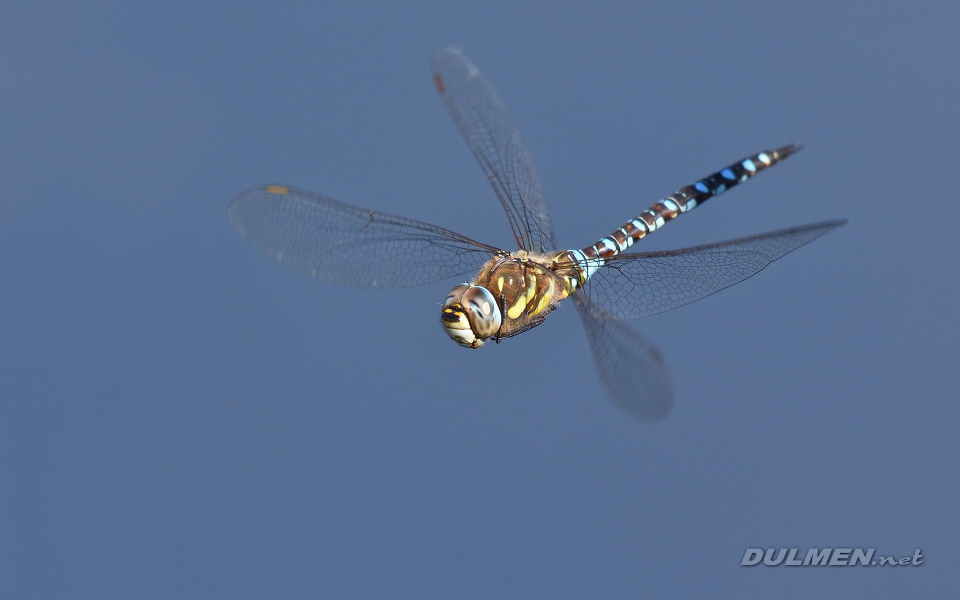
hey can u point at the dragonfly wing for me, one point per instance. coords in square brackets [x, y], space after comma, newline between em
[631, 286]
[489, 130]
[632, 371]
[349, 245]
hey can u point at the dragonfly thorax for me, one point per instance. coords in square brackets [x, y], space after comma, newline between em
[522, 290]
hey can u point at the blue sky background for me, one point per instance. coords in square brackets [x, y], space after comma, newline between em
[182, 418]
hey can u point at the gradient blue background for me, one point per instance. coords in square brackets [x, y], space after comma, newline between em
[182, 418]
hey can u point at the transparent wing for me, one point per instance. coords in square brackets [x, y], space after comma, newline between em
[631, 370]
[349, 245]
[631, 286]
[489, 130]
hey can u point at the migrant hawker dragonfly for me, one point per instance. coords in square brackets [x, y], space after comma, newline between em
[512, 291]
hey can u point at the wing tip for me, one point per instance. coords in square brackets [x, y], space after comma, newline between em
[644, 405]
[261, 192]
[279, 190]
[444, 51]
[444, 55]
[449, 64]
[829, 225]
[439, 63]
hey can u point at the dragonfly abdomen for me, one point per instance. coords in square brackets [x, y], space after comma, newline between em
[588, 260]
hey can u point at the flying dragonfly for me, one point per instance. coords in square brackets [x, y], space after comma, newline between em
[513, 291]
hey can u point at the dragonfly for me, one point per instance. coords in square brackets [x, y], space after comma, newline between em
[512, 291]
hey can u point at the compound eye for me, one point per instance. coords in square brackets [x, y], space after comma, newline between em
[482, 311]
[454, 296]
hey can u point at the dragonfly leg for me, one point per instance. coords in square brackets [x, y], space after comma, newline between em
[503, 315]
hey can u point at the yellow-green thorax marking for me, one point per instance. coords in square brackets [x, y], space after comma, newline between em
[526, 289]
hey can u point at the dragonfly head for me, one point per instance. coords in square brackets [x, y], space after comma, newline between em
[470, 315]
